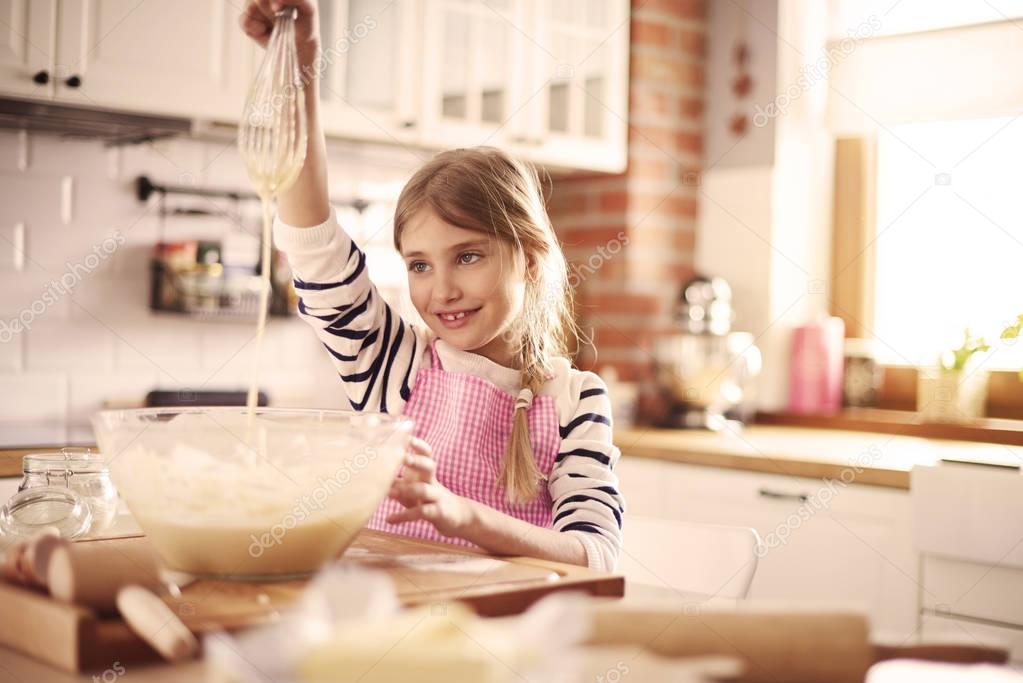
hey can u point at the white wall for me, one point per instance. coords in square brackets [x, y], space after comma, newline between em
[765, 203]
[59, 200]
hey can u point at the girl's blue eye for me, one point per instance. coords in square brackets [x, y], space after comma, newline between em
[473, 255]
[415, 267]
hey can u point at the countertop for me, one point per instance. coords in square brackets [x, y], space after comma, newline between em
[876, 459]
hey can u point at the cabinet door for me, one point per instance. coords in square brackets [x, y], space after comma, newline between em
[185, 58]
[581, 63]
[825, 544]
[369, 73]
[475, 84]
[26, 47]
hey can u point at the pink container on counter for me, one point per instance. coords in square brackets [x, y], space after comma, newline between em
[815, 383]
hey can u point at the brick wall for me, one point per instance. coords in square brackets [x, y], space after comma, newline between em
[629, 238]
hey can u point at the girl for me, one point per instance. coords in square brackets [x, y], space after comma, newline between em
[513, 451]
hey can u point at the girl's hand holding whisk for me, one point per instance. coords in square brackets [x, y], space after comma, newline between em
[257, 20]
[304, 203]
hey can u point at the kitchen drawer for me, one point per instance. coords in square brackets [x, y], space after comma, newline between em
[940, 629]
[687, 486]
[973, 590]
[969, 512]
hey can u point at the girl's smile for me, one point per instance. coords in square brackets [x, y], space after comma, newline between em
[455, 319]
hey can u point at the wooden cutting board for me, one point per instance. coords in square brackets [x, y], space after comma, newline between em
[424, 572]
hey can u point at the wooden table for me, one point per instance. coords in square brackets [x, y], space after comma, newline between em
[423, 573]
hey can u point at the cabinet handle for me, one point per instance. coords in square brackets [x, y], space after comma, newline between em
[768, 493]
[73, 81]
[41, 77]
[408, 124]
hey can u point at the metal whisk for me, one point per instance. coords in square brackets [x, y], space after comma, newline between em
[272, 135]
[272, 143]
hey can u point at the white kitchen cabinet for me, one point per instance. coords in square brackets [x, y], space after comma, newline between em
[26, 52]
[185, 58]
[369, 87]
[968, 525]
[548, 81]
[474, 71]
[581, 61]
[840, 545]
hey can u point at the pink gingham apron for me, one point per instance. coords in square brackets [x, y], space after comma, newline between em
[467, 420]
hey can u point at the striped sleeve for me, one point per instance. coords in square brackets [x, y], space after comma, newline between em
[375, 352]
[583, 485]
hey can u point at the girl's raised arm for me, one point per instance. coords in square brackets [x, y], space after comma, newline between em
[374, 351]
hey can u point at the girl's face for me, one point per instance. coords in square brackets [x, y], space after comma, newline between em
[467, 285]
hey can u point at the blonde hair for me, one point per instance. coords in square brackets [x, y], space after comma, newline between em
[485, 190]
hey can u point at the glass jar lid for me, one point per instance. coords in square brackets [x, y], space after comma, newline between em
[64, 463]
[32, 510]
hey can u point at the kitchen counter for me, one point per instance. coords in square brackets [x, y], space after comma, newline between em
[876, 459]
[858, 457]
[10, 457]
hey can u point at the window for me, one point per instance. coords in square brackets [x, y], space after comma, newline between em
[949, 240]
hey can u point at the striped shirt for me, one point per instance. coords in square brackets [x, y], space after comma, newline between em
[378, 354]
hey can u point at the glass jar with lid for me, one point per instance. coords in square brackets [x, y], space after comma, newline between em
[68, 489]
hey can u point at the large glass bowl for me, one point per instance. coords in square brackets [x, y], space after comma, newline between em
[220, 493]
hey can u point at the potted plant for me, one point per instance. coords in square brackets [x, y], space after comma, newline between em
[955, 390]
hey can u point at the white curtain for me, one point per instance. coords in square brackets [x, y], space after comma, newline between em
[958, 73]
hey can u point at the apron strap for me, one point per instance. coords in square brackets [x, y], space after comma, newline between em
[434, 356]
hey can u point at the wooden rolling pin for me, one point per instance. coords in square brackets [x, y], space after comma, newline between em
[90, 573]
[153, 621]
[26, 560]
[795, 647]
[123, 576]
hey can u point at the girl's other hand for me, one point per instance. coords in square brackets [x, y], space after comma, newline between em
[257, 20]
[426, 498]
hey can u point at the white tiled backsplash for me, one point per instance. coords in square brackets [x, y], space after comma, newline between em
[100, 342]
